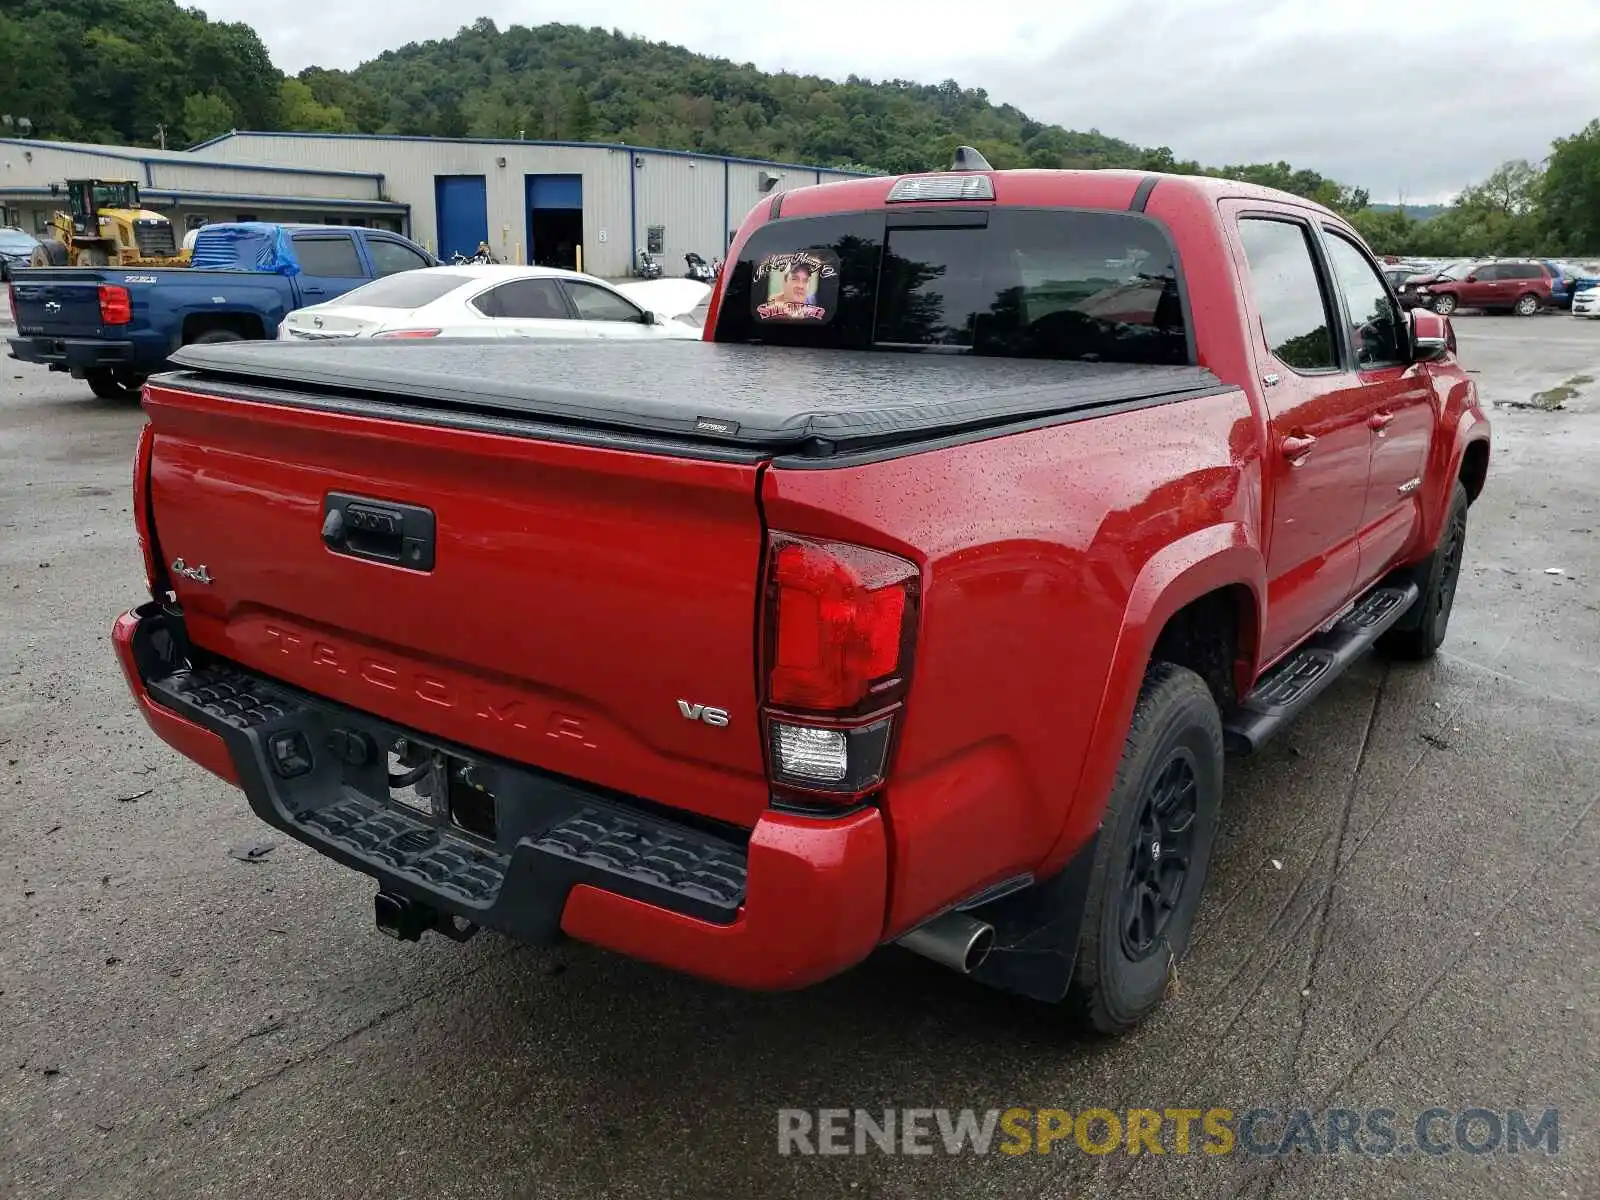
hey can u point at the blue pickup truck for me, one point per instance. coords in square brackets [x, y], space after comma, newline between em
[115, 326]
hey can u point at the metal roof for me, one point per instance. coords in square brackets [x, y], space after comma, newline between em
[627, 146]
[184, 158]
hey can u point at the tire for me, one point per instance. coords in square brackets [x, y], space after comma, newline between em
[113, 385]
[1526, 306]
[1168, 788]
[215, 335]
[1444, 305]
[1437, 577]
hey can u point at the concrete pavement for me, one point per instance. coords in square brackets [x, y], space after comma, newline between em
[1402, 913]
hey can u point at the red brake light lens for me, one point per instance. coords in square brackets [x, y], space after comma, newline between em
[116, 306]
[11, 298]
[409, 333]
[841, 623]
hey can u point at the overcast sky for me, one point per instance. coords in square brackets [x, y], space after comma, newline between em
[1411, 97]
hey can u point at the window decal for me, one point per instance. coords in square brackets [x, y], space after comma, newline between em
[797, 285]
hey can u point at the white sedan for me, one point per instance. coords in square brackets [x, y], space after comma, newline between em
[502, 301]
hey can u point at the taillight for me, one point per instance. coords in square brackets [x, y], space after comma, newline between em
[141, 502]
[840, 628]
[116, 306]
[11, 299]
[409, 333]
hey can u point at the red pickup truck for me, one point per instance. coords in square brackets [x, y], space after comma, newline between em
[918, 603]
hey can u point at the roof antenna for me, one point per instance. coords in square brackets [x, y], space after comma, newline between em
[968, 159]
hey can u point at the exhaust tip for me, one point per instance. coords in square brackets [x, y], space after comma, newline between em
[978, 949]
[953, 940]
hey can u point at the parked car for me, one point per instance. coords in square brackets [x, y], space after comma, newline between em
[1520, 286]
[114, 326]
[1397, 275]
[16, 249]
[501, 301]
[749, 655]
[1586, 296]
[1411, 290]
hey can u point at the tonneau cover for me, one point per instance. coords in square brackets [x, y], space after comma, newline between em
[762, 397]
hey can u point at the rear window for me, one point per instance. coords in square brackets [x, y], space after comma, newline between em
[333, 257]
[409, 289]
[1021, 283]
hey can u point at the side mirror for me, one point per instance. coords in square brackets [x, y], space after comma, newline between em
[654, 318]
[1470, 279]
[1431, 336]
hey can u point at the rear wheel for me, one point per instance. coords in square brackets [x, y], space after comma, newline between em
[216, 335]
[1444, 305]
[1526, 305]
[1154, 848]
[114, 385]
[1437, 576]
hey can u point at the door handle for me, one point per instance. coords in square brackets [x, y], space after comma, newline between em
[316, 291]
[379, 530]
[1380, 421]
[1296, 447]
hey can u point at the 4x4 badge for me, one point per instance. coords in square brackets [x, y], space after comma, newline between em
[198, 574]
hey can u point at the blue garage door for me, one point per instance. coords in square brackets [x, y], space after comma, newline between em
[555, 220]
[462, 202]
[555, 191]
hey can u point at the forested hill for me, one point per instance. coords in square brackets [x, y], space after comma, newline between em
[562, 81]
[137, 71]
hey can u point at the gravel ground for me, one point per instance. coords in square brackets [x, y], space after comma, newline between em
[1402, 913]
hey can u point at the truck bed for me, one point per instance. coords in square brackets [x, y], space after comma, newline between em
[756, 398]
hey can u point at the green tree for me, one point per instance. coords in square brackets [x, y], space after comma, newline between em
[1570, 192]
[303, 111]
[205, 115]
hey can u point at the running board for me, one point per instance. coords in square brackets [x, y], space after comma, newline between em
[1285, 691]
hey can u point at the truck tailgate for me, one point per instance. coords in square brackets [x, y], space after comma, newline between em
[59, 301]
[582, 603]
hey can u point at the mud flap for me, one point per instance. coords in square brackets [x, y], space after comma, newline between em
[1037, 930]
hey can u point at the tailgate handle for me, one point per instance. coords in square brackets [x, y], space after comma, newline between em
[379, 530]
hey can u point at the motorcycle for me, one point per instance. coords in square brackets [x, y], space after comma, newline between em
[649, 268]
[699, 269]
[479, 257]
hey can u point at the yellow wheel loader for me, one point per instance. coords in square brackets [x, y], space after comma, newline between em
[106, 226]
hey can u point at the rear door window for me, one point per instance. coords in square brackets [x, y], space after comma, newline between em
[525, 299]
[1024, 283]
[332, 255]
[1288, 292]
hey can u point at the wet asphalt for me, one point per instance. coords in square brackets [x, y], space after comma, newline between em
[1403, 913]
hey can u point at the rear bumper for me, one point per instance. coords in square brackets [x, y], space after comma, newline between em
[799, 900]
[72, 354]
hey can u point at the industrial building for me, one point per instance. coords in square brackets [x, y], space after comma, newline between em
[189, 188]
[544, 202]
[590, 205]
